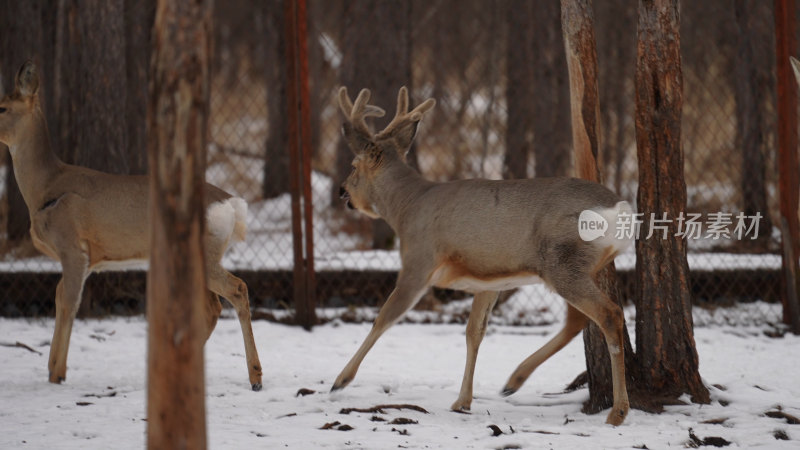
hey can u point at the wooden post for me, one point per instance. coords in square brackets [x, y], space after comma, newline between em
[299, 121]
[788, 178]
[577, 23]
[665, 348]
[177, 122]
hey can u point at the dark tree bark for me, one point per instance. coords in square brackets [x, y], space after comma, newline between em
[138, 21]
[377, 56]
[519, 90]
[616, 22]
[91, 92]
[551, 111]
[537, 93]
[664, 331]
[751, 73]
[276, 167]
[177, 122]
[581, 56]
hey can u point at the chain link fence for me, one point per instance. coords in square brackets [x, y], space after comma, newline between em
[499, 75]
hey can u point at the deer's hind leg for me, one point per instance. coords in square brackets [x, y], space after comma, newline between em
[574, 323]
[233, 289]
[585, 296]
[68, 298]
[476, 329]
[213, 311]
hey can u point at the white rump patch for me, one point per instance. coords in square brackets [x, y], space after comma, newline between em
[221, 219]
[619, 214]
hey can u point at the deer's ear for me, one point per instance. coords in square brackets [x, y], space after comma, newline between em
[27, 82]
[404, 136]
[358, 141]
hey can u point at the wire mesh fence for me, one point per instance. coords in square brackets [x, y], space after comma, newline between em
[499, 75]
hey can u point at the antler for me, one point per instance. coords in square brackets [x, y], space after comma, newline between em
[402, 116]
[356, 113]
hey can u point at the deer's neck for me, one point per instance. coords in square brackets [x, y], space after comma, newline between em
[398, 187]
[34, 162]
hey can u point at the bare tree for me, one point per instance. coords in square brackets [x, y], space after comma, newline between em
[520, 96]
[176, 285]
[276, 165]
[616, 34]
[664, 332]
[91, 91]
[751, 73]
[138, 22]
[377, 55]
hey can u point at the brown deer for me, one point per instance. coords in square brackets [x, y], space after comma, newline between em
[92, 221]
[482, 236]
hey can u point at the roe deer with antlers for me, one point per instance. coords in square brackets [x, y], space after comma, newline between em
[482, 236]
[92, 221]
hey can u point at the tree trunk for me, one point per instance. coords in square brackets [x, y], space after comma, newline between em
[519, 89]
[616, 43]
[176, 283]
[138, 22]
[551, 111]
[752, 95]
[664, 331]
[581, 56]
[91, 92]
[376, 56]
[537, 93]
[276, 167]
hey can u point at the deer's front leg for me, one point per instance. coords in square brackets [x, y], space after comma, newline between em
[476, 329]
[405, 295]
[68, 298]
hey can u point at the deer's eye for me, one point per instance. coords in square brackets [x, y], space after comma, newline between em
[2, 110]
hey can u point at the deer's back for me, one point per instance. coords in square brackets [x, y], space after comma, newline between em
[509, 227]
[109, 214]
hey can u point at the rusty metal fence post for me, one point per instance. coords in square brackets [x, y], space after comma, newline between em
[300, 162]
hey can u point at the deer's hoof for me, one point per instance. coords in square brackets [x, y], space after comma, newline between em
[256, 387]
[56, 379]
[461, 408]
[507, 391]
[616, 416]
[339, 384]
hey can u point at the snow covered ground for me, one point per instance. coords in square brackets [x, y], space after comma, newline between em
[102, 403]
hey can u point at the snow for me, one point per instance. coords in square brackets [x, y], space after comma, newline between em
[102, 403]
